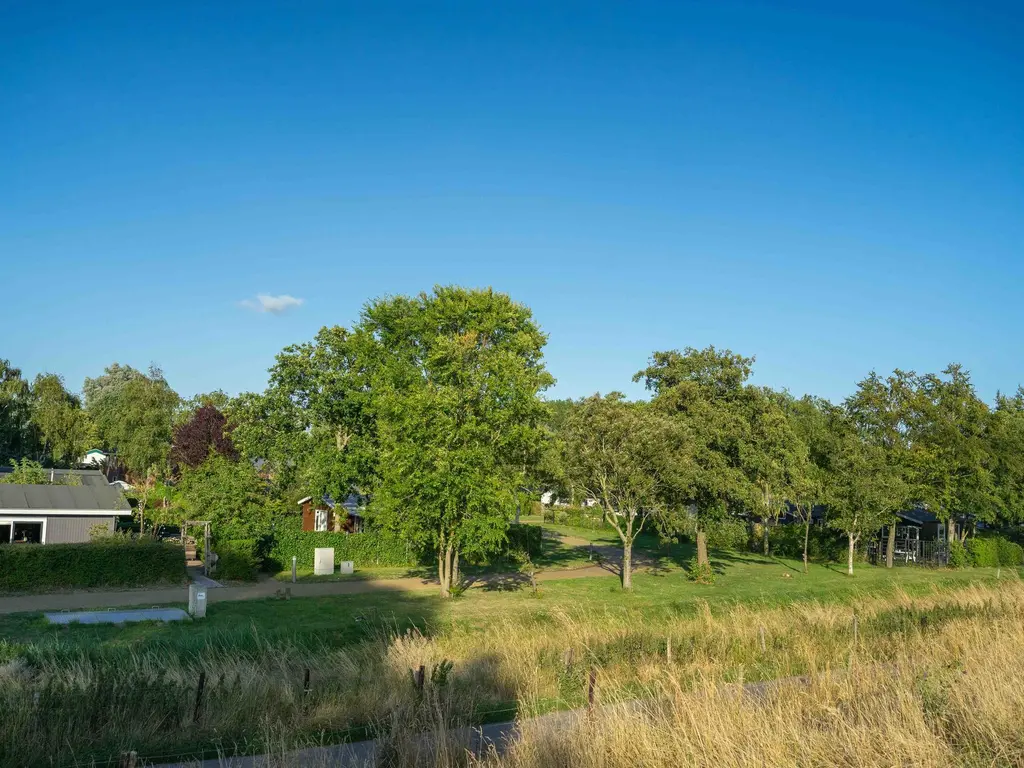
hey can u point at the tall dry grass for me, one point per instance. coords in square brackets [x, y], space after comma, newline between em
[71, 708]
[953, 697]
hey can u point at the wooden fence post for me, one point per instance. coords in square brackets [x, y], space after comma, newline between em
[591, 685]
[761, 632]
[199, 696]
[856, 629]
[305, 684]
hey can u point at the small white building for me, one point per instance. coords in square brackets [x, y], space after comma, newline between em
[93, 458]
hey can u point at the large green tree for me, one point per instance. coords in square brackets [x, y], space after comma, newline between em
[863, 488]
[313, 427]
[1006, 447]
[953, 463]
[134, 417]
[64, 428]
[230, 494]
[772, 455]
[883, 411]
[624, 455]
[17, 436]
[809, 420]
[706, 392]
[455, 377]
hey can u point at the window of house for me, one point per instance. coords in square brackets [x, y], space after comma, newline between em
[5, 532]
[320, 520]
[27, 533]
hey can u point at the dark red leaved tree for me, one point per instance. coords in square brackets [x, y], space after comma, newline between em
[207, 430]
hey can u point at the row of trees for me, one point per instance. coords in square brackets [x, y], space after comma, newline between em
[709, 446]
[432, 405]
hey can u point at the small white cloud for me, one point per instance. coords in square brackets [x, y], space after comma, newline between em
[274, 304]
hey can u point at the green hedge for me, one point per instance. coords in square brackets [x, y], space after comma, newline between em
[237, 560]
[994, 551]
[576, 517]
[366, 549]
[108, 563]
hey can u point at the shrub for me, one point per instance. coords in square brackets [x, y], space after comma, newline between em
[728, 534]
[236, 560]
[578, 517]
[994, 551]
[1011, 553]
[701, 574]
[525, 538]
[824, 545]
[983, 553]
[364, 549]
[114, 561]
[957, 554]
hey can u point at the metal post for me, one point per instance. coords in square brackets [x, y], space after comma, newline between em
[294, 559]
[206, 549]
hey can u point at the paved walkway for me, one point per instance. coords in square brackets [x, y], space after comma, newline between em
[71, 601]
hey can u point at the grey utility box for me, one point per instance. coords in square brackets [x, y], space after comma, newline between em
[197, 601]
[347, 567]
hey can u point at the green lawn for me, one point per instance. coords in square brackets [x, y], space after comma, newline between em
[339, 620]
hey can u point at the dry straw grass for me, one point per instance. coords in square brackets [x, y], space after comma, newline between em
[929, 680]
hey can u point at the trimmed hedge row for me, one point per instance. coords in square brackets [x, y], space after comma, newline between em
[576, 517]
[366, 549]
[994, 551]
[107, 563]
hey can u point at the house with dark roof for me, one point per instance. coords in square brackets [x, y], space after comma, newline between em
[59, 513]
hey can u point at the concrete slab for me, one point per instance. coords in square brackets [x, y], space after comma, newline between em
[117, 617]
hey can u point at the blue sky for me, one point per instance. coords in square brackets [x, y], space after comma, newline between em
[832, 188]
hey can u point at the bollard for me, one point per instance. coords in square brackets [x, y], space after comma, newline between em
[294, 559]
[668, 649]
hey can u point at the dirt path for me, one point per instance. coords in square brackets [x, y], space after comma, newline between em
[69, 601]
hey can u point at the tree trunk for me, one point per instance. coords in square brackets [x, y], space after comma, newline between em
[444, 570]
[767, 547]
[702, 547]
[456, 579]
[627, 564]
[849, 557]
[890, 550]
[807, 538]
[950, 530]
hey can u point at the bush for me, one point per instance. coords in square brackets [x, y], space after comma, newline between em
[994, 551]
[1011, 554]
[577, 517]
[728, 534]
[115, 561]
[366, 549]
[825, 545]
[236, 560]
[525, 538]
[701, 574]
[983, 553]
[957, 554]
